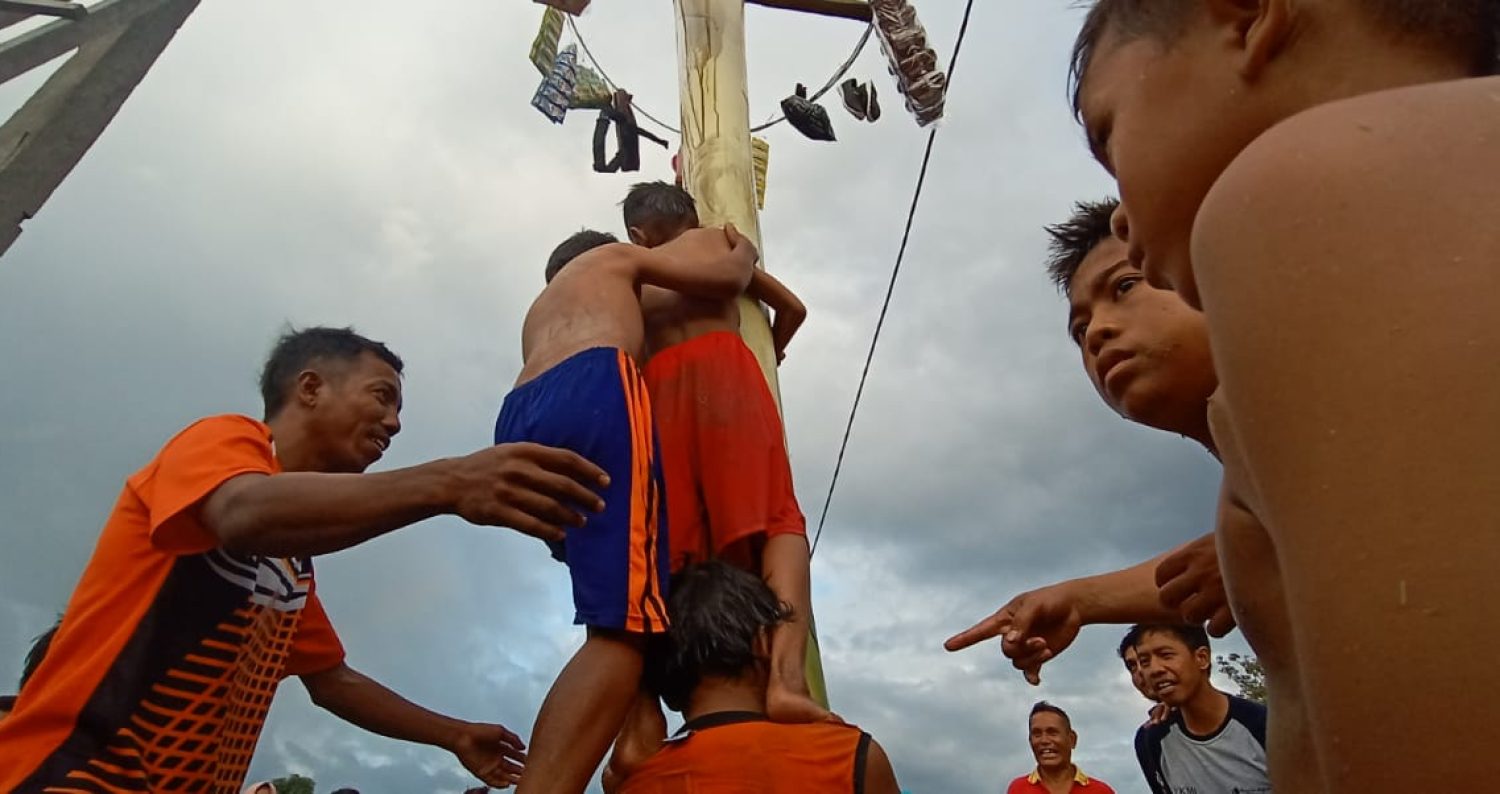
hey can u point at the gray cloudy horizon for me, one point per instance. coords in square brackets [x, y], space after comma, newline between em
[365, 164]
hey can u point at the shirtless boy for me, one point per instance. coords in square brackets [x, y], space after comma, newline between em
[729, 482]
[579, 389]
[1147, 355]
[1319, 177]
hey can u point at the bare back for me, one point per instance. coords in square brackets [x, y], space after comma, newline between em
[1349, 267]
[673, 318]
[592, 302]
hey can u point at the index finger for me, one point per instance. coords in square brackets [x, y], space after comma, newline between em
[571, 464]
[989, 628]
[509, 737]
[1171, 568]
[1176, 590]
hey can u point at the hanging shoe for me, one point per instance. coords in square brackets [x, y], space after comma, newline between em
[856, 98]
[809, 118]
[872, 108]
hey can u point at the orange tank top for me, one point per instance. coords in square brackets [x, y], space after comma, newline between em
[743, 752]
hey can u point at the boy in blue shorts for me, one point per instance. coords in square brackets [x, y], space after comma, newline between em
[580, 389]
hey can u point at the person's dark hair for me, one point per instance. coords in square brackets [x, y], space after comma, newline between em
[575, 246]
[1043, 707]
[1075, 238]
[1194, 637]
[1471, 27]
[717, 612]
[659, 205]
[39, 648]
[296, 350]
[1132, 638]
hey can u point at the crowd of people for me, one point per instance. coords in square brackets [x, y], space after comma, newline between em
[1294, 276]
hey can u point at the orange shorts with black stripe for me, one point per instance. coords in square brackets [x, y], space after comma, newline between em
[595, 403]
[723, 451]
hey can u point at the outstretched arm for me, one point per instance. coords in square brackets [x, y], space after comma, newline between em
[490, 752]
[703, 263]
[1037, 626]
[527, 487]
[788, 308]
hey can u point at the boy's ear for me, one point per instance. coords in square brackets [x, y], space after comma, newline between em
[638, 236]
[1260, 29]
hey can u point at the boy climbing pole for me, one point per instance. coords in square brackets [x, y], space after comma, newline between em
[729, 482]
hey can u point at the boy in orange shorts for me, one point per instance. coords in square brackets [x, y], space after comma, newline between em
[579, 389]
[724, 459]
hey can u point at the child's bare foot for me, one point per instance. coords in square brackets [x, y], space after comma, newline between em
[644, 731]
[784, 705]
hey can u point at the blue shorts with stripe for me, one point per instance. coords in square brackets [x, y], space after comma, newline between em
[595, 404]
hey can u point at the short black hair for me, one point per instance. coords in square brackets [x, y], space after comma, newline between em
[716, 613]
[296, 350]
[1471, 27]
[1075, 238]
[659, 203]
[39, 647]
[1131, 639]
[1043, 707]
[1194, 637]
[578, 244]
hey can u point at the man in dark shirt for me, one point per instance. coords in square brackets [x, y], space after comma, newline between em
[1212, 742]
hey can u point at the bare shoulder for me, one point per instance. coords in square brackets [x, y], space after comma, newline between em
[1401, 155]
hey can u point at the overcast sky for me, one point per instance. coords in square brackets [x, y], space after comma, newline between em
[376, 163]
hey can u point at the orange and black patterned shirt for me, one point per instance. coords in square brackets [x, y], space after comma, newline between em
[170, 649]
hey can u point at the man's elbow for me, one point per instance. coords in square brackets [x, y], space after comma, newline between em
[323, 687]
[231, 513]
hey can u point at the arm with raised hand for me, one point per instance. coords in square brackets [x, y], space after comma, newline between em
[1036, 626]
[531, 488]
[789, 311]
[703, 263]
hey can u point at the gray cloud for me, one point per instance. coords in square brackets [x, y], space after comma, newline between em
[361, 163]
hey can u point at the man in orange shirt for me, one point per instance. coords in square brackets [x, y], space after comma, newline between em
[713, 666]
[200, 596]
[1052, 743]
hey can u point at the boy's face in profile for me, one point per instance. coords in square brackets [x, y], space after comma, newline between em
[1166, 120]
[1137, 677]
[1145, 351]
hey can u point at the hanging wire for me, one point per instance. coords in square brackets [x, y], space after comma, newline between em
[832, 81]
[889, 290]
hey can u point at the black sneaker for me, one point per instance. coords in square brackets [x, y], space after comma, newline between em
[809, 118]
[856, 99]
[872, 109]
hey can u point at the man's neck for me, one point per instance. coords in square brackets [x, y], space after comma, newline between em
[1058, 776]
[1206, 711]
[717, 695]
[293, 451]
